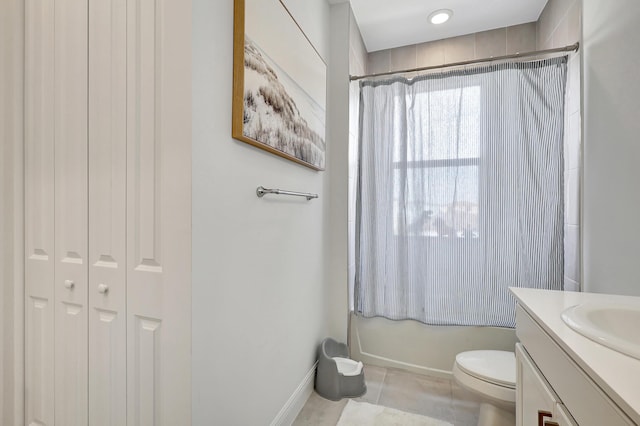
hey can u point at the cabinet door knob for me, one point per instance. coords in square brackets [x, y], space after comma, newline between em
[103, 288]
[542, 415]
[68, 284]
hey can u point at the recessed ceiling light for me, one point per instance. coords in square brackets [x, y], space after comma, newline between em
[440, 16]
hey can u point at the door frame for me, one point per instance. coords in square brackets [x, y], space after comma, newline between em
[12, 212]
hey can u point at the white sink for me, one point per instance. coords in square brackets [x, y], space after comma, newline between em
[616, 326]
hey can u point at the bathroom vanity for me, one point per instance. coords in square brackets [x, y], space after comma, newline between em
[564, 378]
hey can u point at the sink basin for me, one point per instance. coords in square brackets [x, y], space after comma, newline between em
[615, 326]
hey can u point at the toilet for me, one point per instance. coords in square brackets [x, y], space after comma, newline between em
[492, 376]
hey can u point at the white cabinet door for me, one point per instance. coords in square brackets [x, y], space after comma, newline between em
[562, 417]
[71, 201]
[39, 207]
[535, 401]
[56, 212]
[107, 212]
[159, 212]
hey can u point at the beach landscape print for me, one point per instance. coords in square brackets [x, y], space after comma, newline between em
[279, 99]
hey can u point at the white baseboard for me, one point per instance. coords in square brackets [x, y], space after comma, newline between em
[292, 407]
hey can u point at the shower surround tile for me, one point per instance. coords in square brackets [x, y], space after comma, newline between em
[572, 198]
[574, 142]
[561, 34]
[572, 253]
[496, 42]
[403, 58]
[574, 20]
[430, 54]
[570, 285]
[521, 38]
[491, 43]
[378, 62]
[459, 49]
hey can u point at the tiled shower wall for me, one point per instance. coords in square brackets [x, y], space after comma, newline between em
[560, 24]
[498, 42]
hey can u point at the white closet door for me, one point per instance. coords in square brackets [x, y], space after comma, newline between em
[39, 207]
[71, 271]
[107, 212]
[159, 212]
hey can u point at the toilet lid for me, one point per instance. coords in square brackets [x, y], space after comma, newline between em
[497, 367]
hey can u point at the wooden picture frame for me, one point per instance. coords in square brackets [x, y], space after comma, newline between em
[279, 84]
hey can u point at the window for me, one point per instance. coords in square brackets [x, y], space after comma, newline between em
[436, 181]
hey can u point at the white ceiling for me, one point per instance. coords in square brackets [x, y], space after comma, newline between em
[392, 23]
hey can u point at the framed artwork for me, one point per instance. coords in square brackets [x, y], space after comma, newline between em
[279, 84]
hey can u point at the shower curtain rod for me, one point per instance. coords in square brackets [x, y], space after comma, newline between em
[570, 48]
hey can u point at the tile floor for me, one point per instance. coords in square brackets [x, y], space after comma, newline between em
[438, 398]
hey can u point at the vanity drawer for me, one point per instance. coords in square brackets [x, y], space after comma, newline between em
[583, 398]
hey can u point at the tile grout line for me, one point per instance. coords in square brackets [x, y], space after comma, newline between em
[384, 377]
[452, 404]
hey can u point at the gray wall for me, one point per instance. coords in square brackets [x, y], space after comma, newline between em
[612, 146]
[259, 265]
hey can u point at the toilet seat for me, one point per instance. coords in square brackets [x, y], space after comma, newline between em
[492, 373]
[348, 367]
[497, 367]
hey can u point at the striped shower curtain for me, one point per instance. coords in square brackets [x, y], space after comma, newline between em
[460, 192]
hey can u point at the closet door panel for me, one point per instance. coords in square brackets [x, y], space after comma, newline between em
[39, 207]
[107, 212]
[158, 212]
[71, 273]
[145, 274]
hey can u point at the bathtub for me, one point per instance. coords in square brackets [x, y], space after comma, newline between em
[419, 348]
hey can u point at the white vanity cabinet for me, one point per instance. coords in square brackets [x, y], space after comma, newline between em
[564, 378]
[536, 402]
[562, 416]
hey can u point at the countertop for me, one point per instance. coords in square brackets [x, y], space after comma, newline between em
[618, 375]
